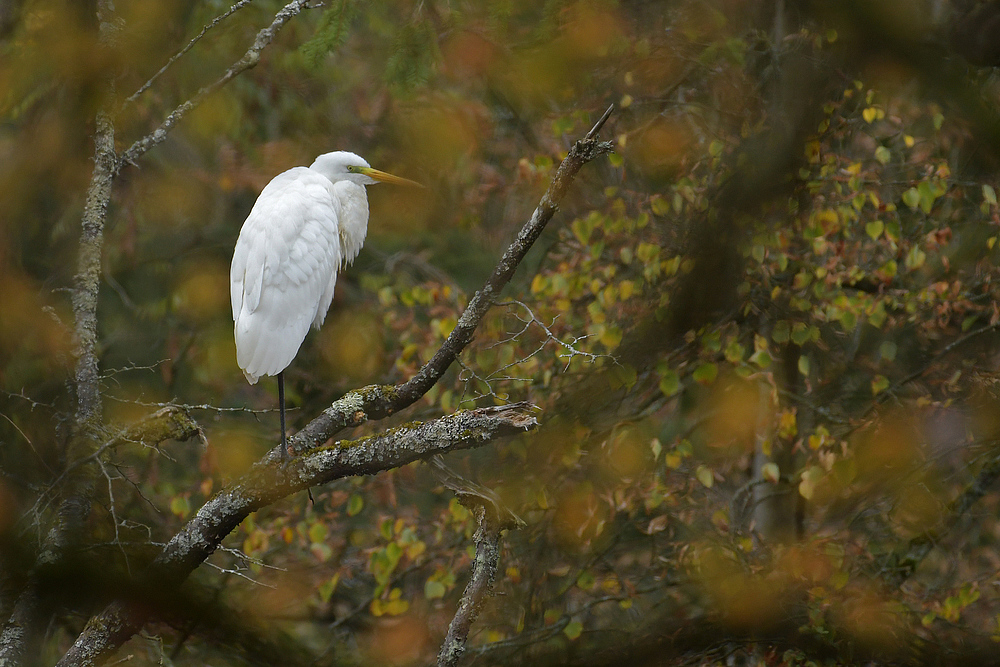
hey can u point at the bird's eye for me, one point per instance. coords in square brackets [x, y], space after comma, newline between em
[351, 168]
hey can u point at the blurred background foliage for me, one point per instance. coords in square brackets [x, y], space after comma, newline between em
[760, 334]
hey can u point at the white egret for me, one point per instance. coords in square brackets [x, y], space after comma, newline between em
[307, 223]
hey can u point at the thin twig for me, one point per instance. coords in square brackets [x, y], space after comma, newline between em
[249, 60]
[219, 19]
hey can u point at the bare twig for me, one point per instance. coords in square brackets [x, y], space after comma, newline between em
[249, 60]
[219, 19]
[265, 484]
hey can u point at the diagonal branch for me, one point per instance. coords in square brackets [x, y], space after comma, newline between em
[263, 485]
[174, 58]
[249, 60]
[376, 402]
[901, 564]
[317, 464]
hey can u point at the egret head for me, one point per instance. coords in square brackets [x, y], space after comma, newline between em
[346, 166]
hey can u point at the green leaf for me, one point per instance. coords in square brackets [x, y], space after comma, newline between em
[915, 258]
[780, 332]
[659, 205]
[670, 383]
[327, 588]
[734, 352]
[877, 316]
[657, 447]
[804, 365]
[927, 196]
[887, 350]
[911, 198]
[889, 269]
[611, 337]
[706, 373]
[582, 229]
[874, 229]
[180, 506]
[848, 321]
[434, 589]
[573, 629]
[800, 334]
[355, 504]
[705, 476]
[989, 194]
[586, 580]
[879, 384]
[318, 532]
[762, 358]
[883, 155]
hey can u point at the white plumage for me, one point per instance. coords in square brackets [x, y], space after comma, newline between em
[307, 223]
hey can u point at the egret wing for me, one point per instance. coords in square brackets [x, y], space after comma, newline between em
[286, 259]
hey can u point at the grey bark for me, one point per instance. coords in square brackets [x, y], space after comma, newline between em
[265, 484]
[23, 628]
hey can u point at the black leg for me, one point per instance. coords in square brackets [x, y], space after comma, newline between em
[281, 410]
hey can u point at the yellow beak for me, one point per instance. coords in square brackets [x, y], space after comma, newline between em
[388, 178]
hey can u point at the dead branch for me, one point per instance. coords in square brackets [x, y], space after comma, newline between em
[376, 402]
[248, 61]
[492, 518]
[265, 484]
[315, 464]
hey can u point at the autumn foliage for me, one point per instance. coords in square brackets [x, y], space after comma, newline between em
[759, 335]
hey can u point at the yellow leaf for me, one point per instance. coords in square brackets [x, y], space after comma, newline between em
[770, 472]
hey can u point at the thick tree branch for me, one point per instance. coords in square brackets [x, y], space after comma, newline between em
[23, 627]
[375, 402]
[265, 484]
[29, 613]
